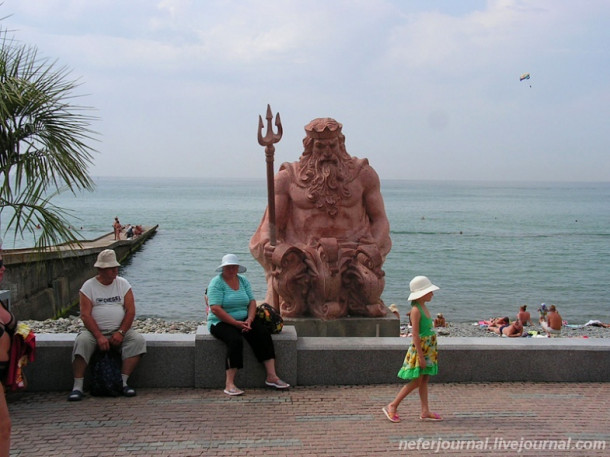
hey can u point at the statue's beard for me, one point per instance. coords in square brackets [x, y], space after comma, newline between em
[326, 181]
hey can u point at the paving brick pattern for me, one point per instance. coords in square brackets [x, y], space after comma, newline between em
[499, 419]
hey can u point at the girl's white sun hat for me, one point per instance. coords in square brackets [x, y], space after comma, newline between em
[420, 286]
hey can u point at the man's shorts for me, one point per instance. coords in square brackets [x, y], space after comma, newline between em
[546, 328]
[85, 345]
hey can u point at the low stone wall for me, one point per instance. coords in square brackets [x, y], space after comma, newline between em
[197, 360]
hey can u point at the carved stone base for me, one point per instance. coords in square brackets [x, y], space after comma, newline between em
[388, 326]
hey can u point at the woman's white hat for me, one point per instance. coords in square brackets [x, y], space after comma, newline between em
[420, 286]
[231, 259]
[106, 259]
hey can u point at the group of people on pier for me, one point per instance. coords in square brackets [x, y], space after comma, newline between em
[131, 231]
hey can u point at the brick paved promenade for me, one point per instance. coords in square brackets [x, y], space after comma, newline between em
[482, 419]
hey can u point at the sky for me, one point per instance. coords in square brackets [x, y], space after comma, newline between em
[425, 89]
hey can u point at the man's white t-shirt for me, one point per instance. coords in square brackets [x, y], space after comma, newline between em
[108, 302]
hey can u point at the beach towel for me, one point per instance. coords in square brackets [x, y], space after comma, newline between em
[23, 351]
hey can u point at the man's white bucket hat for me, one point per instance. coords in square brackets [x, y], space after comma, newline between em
[420, 286]
[231, 259]
[106, 259]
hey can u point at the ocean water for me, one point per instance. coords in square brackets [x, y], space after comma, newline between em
[490, 247]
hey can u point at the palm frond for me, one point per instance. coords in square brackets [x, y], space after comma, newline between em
[44, 141]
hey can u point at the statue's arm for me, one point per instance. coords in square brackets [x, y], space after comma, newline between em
[260, 247]
[375, 209]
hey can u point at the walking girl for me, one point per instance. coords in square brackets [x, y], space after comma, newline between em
[421, 359]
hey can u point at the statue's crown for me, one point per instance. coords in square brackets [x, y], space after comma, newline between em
[323, 127]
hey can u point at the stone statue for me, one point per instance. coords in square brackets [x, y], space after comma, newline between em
[333, 234]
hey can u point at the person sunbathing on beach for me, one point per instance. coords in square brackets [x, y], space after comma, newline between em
[553, 322]
[542, 312]
[394, 310]
[440, 321]
[497, 322]
[593, 323]
[510, 330]
[524, 316]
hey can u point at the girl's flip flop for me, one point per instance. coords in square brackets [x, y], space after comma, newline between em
[434, 417]
[391, 418]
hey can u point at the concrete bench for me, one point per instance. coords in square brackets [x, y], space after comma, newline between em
[524, 359]
[172, 360]
[333, 361]
[197, 360]
[169, 362]
[210, 355]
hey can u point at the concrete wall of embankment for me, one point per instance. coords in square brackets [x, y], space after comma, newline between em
[197, 360]
[45, 285]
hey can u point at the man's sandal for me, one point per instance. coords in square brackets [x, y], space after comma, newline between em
[129, 391]
[75, 395]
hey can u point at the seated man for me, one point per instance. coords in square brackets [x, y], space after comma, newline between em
[510, 330]
[107, 309]
[553, 322]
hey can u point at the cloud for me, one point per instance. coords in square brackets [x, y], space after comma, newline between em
[179, 83]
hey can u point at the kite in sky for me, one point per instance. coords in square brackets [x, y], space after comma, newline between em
[524, 76]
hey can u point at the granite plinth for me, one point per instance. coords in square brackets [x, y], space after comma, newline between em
[387, 326]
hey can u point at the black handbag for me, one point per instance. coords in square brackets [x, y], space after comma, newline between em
[106, 371]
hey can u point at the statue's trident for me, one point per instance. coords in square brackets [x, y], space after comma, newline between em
[268, 140]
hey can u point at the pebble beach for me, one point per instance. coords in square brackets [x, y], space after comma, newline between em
[155, 325]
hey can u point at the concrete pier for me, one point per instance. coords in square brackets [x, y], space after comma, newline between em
[45, 284]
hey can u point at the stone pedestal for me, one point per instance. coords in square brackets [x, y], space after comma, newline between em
[388, 326]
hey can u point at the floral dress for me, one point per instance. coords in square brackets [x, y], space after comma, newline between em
[410, 367]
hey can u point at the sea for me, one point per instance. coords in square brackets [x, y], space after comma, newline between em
[490, 246]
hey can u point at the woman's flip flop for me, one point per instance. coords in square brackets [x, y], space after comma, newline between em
[391, 418]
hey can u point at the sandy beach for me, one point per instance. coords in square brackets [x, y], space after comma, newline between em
[154, 325]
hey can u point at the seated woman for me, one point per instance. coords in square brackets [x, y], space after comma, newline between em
[511, 330]
[231, 319]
